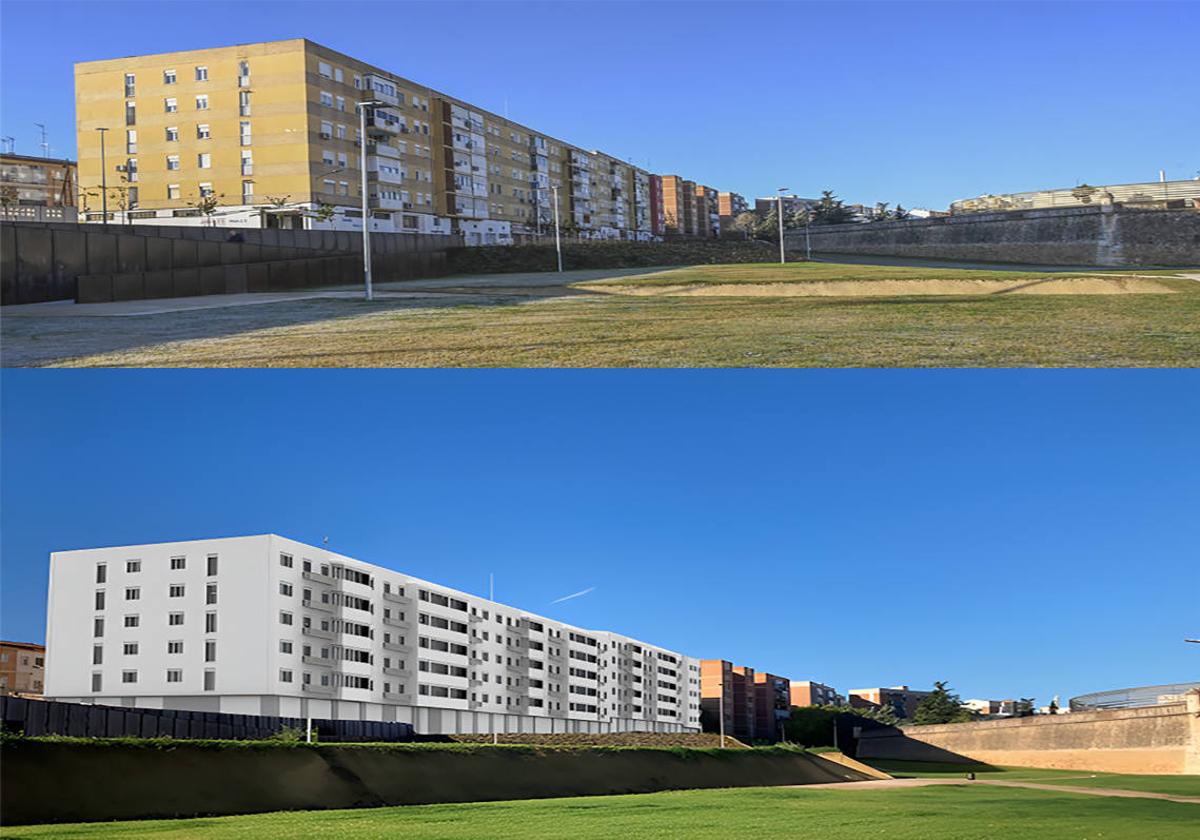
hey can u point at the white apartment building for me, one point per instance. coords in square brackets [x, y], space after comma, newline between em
[265, 625]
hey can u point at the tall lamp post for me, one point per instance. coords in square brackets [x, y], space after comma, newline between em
[366, 212]
[782, 255]
[557, 235]
[103, 181]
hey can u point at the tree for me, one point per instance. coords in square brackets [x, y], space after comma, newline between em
[207, 204]
[1024, 707]
[940, 706]
[1053, 707]
[830, 210]
[746, 223]
[812, 726]
[881, 212]
[324, 212]
[8, 196]
[900, 214]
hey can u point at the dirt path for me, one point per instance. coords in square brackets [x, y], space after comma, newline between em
[891, 784]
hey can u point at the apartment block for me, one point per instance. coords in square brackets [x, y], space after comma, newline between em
[37, 189]
[728, 689]
[267, 625]
[269, 135]
[730, 205]
[708, 218]
[679, 207]
[772, 706]
[809, 693]
[899, 698]
[22, 668]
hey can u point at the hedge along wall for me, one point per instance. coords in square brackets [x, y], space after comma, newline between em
[581, 255]
[81, 781]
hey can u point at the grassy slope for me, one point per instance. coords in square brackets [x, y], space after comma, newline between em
[978, 813]
[824, 271]
[1180, 785]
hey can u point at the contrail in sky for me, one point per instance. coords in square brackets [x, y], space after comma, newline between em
[576, 595]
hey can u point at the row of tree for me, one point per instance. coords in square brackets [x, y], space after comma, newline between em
[830, 210]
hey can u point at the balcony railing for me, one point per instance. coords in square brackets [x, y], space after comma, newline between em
[399, 648]
[321, 661]
[312, 688]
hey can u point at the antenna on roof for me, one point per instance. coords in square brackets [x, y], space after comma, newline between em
[11, 141]
[44, 144]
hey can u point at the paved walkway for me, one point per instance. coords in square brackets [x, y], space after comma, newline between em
[892, 784]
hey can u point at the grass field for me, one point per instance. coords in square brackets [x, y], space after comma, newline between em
[1178, 785]
[939, 813]
[721, 316]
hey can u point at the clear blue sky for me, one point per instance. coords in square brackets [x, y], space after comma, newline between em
[1018, 533]
[917, 103]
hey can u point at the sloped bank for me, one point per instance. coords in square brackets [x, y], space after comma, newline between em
[80, 780]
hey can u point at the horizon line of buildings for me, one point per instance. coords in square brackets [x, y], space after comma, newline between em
[271, 132]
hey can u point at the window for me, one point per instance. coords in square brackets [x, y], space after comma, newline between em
[130, 113]
[324, 70]
[168, 77]
[172, 134]
[131, 173]
[178, 563]
[101, 573]
[129, 676]
[285, 675]
[338, 76]
[341, 102]
[326, 130]
[210, 680]
[285, 589]
[243, 73]
[170, 105]
[130, 648]
[132, 620]
[100, 600]
[285, 560]
[212, 565]
[132, 593]
[247, 162]
[204, 160]
[96, 682]
[173, 191]
[174, 675]
[203, 132]
[341, 132]
[175, 647]
[210, 650]
[133, 566]
[327, 98]
[201, 73]
[244, 127]
[210, 593]
[97, 654]
[327, 157]
[210, 622]
[202, 102]
[174, 619]
[130, 140]
[175, 590]
[244, 103]
[285, 646]
[285, 617]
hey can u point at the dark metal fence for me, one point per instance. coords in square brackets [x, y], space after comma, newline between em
[50, 717]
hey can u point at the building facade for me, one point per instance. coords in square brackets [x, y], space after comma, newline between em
[22, 668]
[269, 626]
[730, 205]
[809, 693]
[269, 135]
[899, 698]
[37, 189]
[728, 689]
[772, 706]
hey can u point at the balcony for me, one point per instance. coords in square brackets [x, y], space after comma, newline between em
[383, 150]
[392, 621]
[318, 660]
[386, 204]
[316, 633]
[319, 578]
[397, 647]
[392, 695]
[317, 605]
[379, 123]
[381, 88]
[516, 669]
[324, 690]
[397, 672]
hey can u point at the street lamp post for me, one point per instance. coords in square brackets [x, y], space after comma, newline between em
[103, 181]
[782, 255]
[366, 217]
[721, 711]
[557, 235]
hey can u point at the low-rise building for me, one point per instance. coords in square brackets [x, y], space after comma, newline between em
[899, 698]
[37, 189]
[264, 625]
[810, 693]
[22, 668]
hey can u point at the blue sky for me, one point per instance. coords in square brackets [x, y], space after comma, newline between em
[1018, 533]
[917, 103]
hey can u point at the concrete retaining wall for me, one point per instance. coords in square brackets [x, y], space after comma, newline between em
[1161, 739]
[143, 780]
[43, 262]
[1101, 235]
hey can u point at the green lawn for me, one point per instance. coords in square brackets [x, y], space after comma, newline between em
[1177, 785]
[941, 813]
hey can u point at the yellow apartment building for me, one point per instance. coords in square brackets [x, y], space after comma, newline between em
[269, 135]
